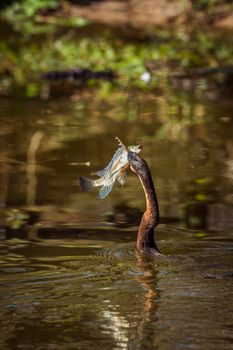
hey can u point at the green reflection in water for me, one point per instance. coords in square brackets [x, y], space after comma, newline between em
[45, 145]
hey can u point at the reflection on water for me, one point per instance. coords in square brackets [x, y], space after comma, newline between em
[187, 144]
[31, 167]
[70, 278]
[80, 293]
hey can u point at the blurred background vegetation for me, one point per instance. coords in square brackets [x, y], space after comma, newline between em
[42, 35]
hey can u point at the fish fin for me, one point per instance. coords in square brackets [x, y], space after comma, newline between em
[85, 184]
[120, 143]
[105, 190]
[122, 178]
[99, 173]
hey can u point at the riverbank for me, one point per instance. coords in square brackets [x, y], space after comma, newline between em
[149, 14]
[57, 41]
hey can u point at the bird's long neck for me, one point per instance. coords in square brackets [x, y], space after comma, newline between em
[150, 218]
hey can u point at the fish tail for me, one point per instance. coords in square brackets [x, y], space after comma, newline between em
[85, 184]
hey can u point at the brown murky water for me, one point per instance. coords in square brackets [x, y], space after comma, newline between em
[70, 277]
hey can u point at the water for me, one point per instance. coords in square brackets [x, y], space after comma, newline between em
[82, 292]
[70, 276]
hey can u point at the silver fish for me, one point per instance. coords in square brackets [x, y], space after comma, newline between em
[115, 170]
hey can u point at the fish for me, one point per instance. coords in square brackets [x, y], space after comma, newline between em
[115, 170]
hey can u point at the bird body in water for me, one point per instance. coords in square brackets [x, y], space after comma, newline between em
[150, 219]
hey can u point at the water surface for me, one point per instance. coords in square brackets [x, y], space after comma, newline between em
[70, 276]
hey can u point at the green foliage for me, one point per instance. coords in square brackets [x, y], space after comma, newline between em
[28, 8]
[24, 17]
[30, 54]
[207, 4]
